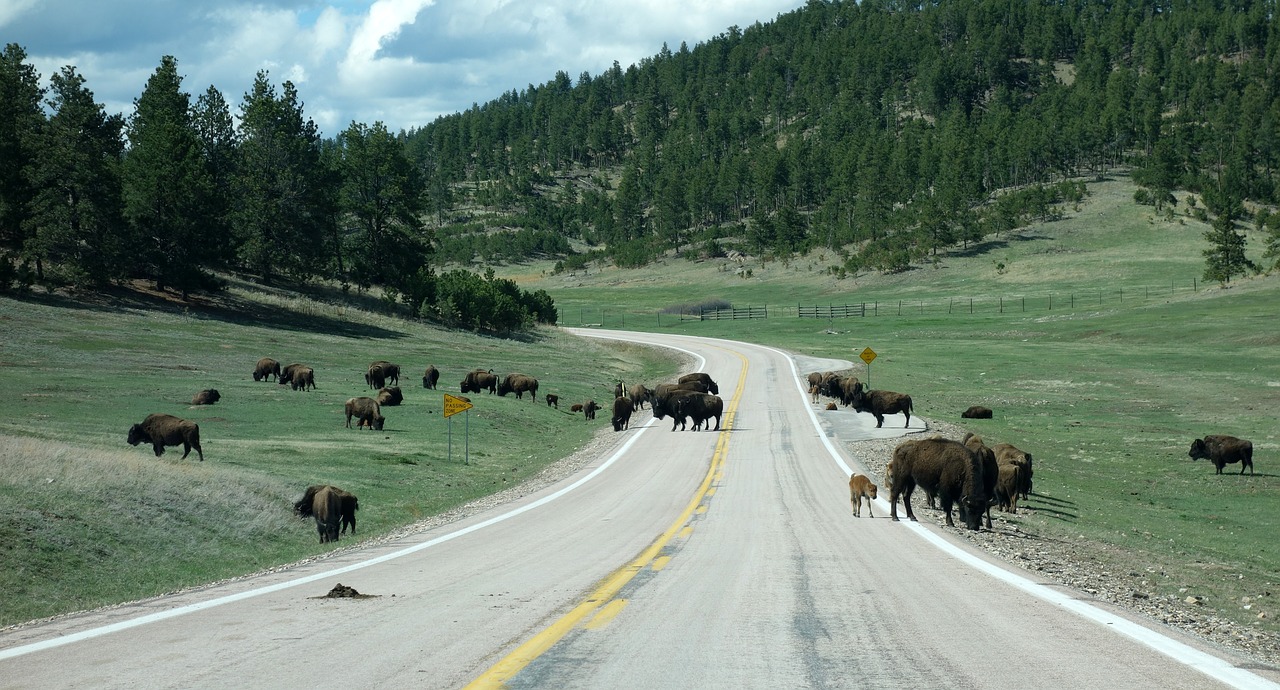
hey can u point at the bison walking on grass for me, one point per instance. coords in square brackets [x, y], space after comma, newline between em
[266, 367]
[348, 504]
[553, 401]
[299, 376]
[1222, 451]
[589, 409]
[367, 412]
[382, 372]
[520, 384]
[479, 380]
[948, 468]
[162, 430]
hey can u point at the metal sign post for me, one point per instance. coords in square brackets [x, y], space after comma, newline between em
[868, 355]
[453, 405]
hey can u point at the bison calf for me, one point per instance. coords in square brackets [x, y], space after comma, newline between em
[1223, 450]
[553, 401]
[860, 485]
[162, 430]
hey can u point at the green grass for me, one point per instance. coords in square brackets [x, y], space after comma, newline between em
[95, 521]
[1107, 394]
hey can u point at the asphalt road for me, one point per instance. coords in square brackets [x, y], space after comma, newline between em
[677, 559]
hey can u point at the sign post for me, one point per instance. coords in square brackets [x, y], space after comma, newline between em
[868, 355]
[453, 405]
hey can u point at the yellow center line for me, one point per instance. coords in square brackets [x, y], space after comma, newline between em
[608, 588]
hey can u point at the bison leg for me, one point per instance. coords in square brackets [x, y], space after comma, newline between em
[159, 449]
[717, 422]
[908, 415]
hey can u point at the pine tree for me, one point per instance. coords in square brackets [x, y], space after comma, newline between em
[167, 186]
[216, 130]
[20, 123]
[1225, 257]
[77, 218]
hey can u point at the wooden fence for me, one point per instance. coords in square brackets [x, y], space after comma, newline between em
[729, 314]
[832, 311]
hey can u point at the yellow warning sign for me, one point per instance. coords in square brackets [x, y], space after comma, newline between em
[868, 355]
[453, 405]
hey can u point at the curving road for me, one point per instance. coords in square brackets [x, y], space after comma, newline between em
[675, 560]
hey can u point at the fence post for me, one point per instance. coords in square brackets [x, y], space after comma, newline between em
[1002, 305]
[899, 307]
[970, 305]
[1194, 287]
[1024, 303]
[951, 304]
[1050, 301]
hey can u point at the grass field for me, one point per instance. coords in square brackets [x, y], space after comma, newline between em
[1106, 386]
[1118, 361]
[94, 521]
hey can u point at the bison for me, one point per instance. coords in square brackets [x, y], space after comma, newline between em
[990, 469]
[479, 380]
[324, 503]
[1008, 486]
[162, 430]
[367, 412]
[207, 396]
[947, 467]
[589, 409]
[553, 401]
[640, 395]
[846, 388]
[1007, 454]
[576, 407]
[348, 504]
[860, 485]
[618, 390]
[702, 377]
[699, 407]
[390, 397]
[622, 409]
[881, 403]
[1222, 451]
[977, 412]
[266, 367]
[300, 376]
[380, 373]
[520, 384]
[430, 377]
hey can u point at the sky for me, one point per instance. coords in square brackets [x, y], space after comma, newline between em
[401, 62]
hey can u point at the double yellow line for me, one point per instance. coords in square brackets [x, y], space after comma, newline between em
[601, 602]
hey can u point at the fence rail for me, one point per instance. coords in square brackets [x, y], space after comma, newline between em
[730, 314]
[832, 311]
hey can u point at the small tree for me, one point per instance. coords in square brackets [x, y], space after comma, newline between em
[1225, 257]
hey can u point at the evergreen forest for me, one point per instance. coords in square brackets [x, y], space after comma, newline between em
[883, 132]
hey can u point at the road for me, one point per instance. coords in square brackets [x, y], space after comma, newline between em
[674, 560]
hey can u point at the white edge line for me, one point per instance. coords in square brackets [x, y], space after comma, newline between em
[1205, 663]
[43, 645]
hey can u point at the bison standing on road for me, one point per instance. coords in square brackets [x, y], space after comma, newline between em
[162, 430]
[702, 377]
[881, 403]
[367, 412]
[1223, 450]
[622, 409]
[640, 395]
[946, 467]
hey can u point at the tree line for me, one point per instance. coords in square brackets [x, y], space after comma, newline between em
[882, 131]
[178, 191]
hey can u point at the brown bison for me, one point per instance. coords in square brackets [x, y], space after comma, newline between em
[1222, 451]
[619, 390]
[576, 407]
[266, 367]
[622, 409]
[881, 403]
[207, 396]
[947, 467]
[299, 376]
[846, 388]
[977, 412]
[390, 397]
[162, 430]
[990, 469]
[831, 406]
[348, 504]
[860, 485]
[430, 377]
[1007, 454]
[479, 380]
[1008, 486]
[324, 503]
[380, 373]
[701, 377]
[553, 401]
[589, 409]
[701, 408]
[367, 412]
[640, 395]
[520, 384]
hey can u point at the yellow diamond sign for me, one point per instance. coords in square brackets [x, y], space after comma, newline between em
[453, 405]
[868, 355]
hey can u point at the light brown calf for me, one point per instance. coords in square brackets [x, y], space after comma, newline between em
[859, 486]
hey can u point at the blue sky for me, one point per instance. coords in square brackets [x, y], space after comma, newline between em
[402, 62]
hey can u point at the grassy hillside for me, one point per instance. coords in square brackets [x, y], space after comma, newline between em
[1107, 393]
[94, 521]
